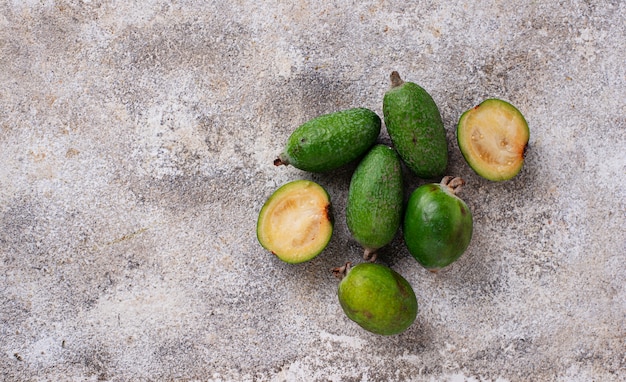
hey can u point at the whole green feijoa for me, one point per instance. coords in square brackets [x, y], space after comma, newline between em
[375, 197]
[415, 127]
[437, 224]
[331, 140]
[377, 298]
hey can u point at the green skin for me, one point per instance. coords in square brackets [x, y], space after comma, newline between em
[415, 127]
[374, 207]
[437, 226]
[331, 140]
[378, 298]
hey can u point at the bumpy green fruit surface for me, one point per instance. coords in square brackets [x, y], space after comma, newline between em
[296, 222]
[415, 127]
[437, 224]
[331, 140]
[378, 298]
[493, 138]
[375, 197]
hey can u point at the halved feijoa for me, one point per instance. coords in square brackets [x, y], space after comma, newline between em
[296, 222]
[437, 224]
[377, 298]
[493, 138]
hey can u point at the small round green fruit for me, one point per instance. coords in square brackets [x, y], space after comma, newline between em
[377, 298]
[437, 224]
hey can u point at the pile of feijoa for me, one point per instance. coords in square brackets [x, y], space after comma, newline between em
[296, 222]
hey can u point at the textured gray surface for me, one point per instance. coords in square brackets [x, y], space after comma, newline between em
[136, 148]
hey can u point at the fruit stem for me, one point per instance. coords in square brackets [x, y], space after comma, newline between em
[341, 272]
[281, 161]
[453, 184]
[370, 254]
[395, 79]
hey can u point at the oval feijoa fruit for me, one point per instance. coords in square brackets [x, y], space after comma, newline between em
[296, 223]
[377, 298]
[375, 197]
[493, 138]
[415, 127]
[331, 140]
[437, 224]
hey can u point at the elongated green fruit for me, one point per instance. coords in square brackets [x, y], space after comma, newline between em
[415, 127]
[296, 221]
[437, 224]
[374, 207]
[377, 298]
[331, 140]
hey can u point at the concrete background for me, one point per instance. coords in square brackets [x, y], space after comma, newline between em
[136, 149]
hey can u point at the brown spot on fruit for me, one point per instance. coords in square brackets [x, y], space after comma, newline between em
[402, 289]
[328, 211]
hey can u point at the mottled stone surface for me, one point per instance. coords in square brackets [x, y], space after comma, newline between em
[136, 149]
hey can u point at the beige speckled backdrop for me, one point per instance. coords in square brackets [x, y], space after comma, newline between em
[136, 149]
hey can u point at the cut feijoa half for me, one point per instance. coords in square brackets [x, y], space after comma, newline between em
[493, 138]
[296, 221]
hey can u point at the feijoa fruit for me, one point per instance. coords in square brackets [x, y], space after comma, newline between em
[493, 138]
[375, 197]
[296, 222]
[377, 298]
[415, 127]
[437, 224]
[331, 140]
